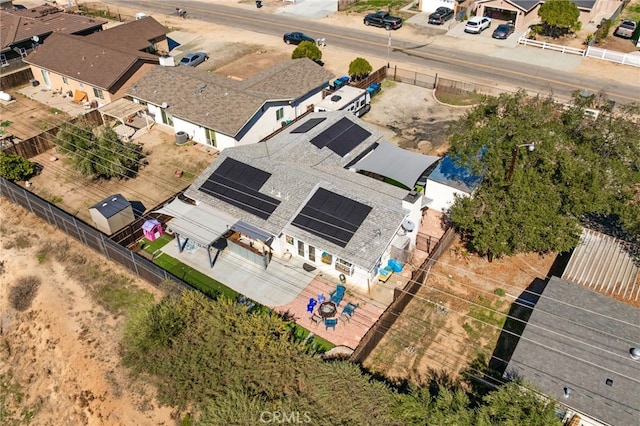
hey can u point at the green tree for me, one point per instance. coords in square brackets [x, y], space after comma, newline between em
[360, 68]
[579, 167]
[103, 156]
[513, 404]
[14, 167]
[559, 17]
[306, 49]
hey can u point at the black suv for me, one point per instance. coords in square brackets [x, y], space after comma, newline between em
[440, 16]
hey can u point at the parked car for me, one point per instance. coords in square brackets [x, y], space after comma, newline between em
[193, 59]
[477, 24]
[503, 31]
[383, 19]
[626, 28]
[297, 37]
[440, 16]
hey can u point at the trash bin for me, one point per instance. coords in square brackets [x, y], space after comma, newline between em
[34, 82]
[258, 4]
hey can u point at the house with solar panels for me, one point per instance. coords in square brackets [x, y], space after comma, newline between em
[316, 192]
[222, 112]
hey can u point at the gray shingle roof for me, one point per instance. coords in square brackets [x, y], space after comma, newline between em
[223, 104]
[563, 345]
[297, 169]
[111, 205]
[527, 5]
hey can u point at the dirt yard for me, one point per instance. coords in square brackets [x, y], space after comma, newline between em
[60, 351]
[455, 316]
[154, 183]
[25, 118]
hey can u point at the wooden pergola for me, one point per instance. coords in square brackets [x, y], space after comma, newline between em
[122, 109]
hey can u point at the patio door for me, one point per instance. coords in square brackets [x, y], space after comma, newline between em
[167, 118]
[312, 254]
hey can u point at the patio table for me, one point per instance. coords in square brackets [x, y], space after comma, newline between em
[124, 131]
[327, 310]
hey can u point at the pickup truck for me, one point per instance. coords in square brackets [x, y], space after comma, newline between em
[383, 19]
[626, 28]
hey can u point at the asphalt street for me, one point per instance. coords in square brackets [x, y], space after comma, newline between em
[522, 67]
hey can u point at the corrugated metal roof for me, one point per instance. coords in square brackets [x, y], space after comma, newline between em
[601, 262]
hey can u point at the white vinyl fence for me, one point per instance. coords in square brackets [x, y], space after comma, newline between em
[632, 59]
[613, 56]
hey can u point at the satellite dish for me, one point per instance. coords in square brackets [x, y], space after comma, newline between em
[164, 105]
[35, 38]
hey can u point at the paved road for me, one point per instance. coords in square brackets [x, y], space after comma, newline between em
[476, 65]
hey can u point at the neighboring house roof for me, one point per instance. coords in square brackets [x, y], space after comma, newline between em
[603, 263]
[580, 339]
[111, 205]
[135, 35]
[458, 177]
[91, 60]
[223, 104]
[396, 163]
[300, 175]
[21, 25]
[528, 5]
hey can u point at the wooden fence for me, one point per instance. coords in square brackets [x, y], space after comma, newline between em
[401, 299]
[43, 142]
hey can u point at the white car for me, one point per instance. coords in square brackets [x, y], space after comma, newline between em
[477, 24]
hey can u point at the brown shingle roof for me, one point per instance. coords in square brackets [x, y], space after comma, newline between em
[223, 104]
[134, 35]
[18, 26]
[78, 58]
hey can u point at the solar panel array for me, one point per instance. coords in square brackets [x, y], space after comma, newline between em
[331, 217]
[308, 125]
[237, 183]
[342, 137]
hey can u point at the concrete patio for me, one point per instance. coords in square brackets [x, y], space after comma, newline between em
[59, 101]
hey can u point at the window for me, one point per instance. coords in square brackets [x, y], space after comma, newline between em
[65, 80]
[279, 114]
[312, 253]
[289, 239]
[344, 266]
[98, 93]
[301, 248]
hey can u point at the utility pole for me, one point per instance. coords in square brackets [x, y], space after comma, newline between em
[530, 147]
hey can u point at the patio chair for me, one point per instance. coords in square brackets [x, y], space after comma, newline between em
[349, 308]
[330, 323]
[315, 319]
[337, 295]
[344, 318]
[311, 305]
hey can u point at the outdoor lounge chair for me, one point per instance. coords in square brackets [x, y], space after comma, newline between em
[315, 319]
[337, 294]
[349, 308]
[330, 322]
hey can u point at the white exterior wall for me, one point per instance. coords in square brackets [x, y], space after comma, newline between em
[431, 5]
[443, 196]
[224, 141]
[195, 132]
[266, 125]
[359, 277]
[415, 216]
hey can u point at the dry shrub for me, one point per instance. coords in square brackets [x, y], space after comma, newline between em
[22, 294]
